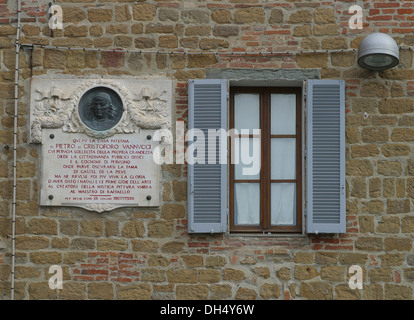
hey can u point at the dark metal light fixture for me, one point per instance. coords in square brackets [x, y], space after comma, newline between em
[378, 51]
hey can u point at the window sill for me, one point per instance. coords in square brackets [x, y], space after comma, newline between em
[266, 235]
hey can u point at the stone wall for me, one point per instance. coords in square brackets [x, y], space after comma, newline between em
[148, 254]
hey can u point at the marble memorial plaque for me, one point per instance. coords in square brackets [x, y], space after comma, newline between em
[98, 174]
[97, 139]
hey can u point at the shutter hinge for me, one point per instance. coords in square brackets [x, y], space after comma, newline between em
[306, 152]
[306, 208]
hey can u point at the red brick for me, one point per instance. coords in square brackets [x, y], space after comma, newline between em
[90, 265]
[399, 17]
[407, 25]
[120, 279]
[405, 11]
[400, 30]
[198, 244]
[94, 271]
[379, 18]
[249, 38]
[218, 5]
[331, 240]
[290, 65]
[386, 5]
[330, 247]
[126, 255]
[112, 59]
[182, 85]
[241, 65]
[83, 278]
[36, 13]
[96, 254]
[286, 295]
[168, 4]
[128, 273]
[270, 32]
[396, 277]
[102, 260]
[253, 33]
[317, 246]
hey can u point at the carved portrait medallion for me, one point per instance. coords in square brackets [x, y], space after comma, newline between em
[100, 108]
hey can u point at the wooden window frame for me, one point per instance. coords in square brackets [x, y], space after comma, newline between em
[265, 181]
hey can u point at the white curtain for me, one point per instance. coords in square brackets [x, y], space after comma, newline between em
[283, 204]
[247, 160]
[283, 158]
[283, 195]
[247, 195]
[246, 111]
[283, 113]
[247, 203]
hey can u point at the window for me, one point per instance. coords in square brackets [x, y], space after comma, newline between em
[269, 199]
[272, 200]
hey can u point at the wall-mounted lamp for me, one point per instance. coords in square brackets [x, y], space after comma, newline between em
[378, 51]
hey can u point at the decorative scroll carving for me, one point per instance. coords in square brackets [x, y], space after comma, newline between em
[99, 207]
[56, 108]
[149, 110]
[50, 111]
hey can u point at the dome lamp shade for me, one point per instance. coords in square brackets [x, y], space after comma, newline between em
[378, 51]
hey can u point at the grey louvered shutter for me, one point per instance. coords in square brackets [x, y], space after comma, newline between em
[325, 159]
[207, 183]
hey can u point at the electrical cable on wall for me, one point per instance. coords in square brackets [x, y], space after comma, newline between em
[16, 98]
[226, 53]
[239, 53]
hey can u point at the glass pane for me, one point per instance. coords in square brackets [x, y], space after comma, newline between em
[247, 203]
[247, 158]
[283, 158]
[246, 111]
[283, 114]
[283, 204]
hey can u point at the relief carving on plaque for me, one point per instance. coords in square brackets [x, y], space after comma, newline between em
[100, 108]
